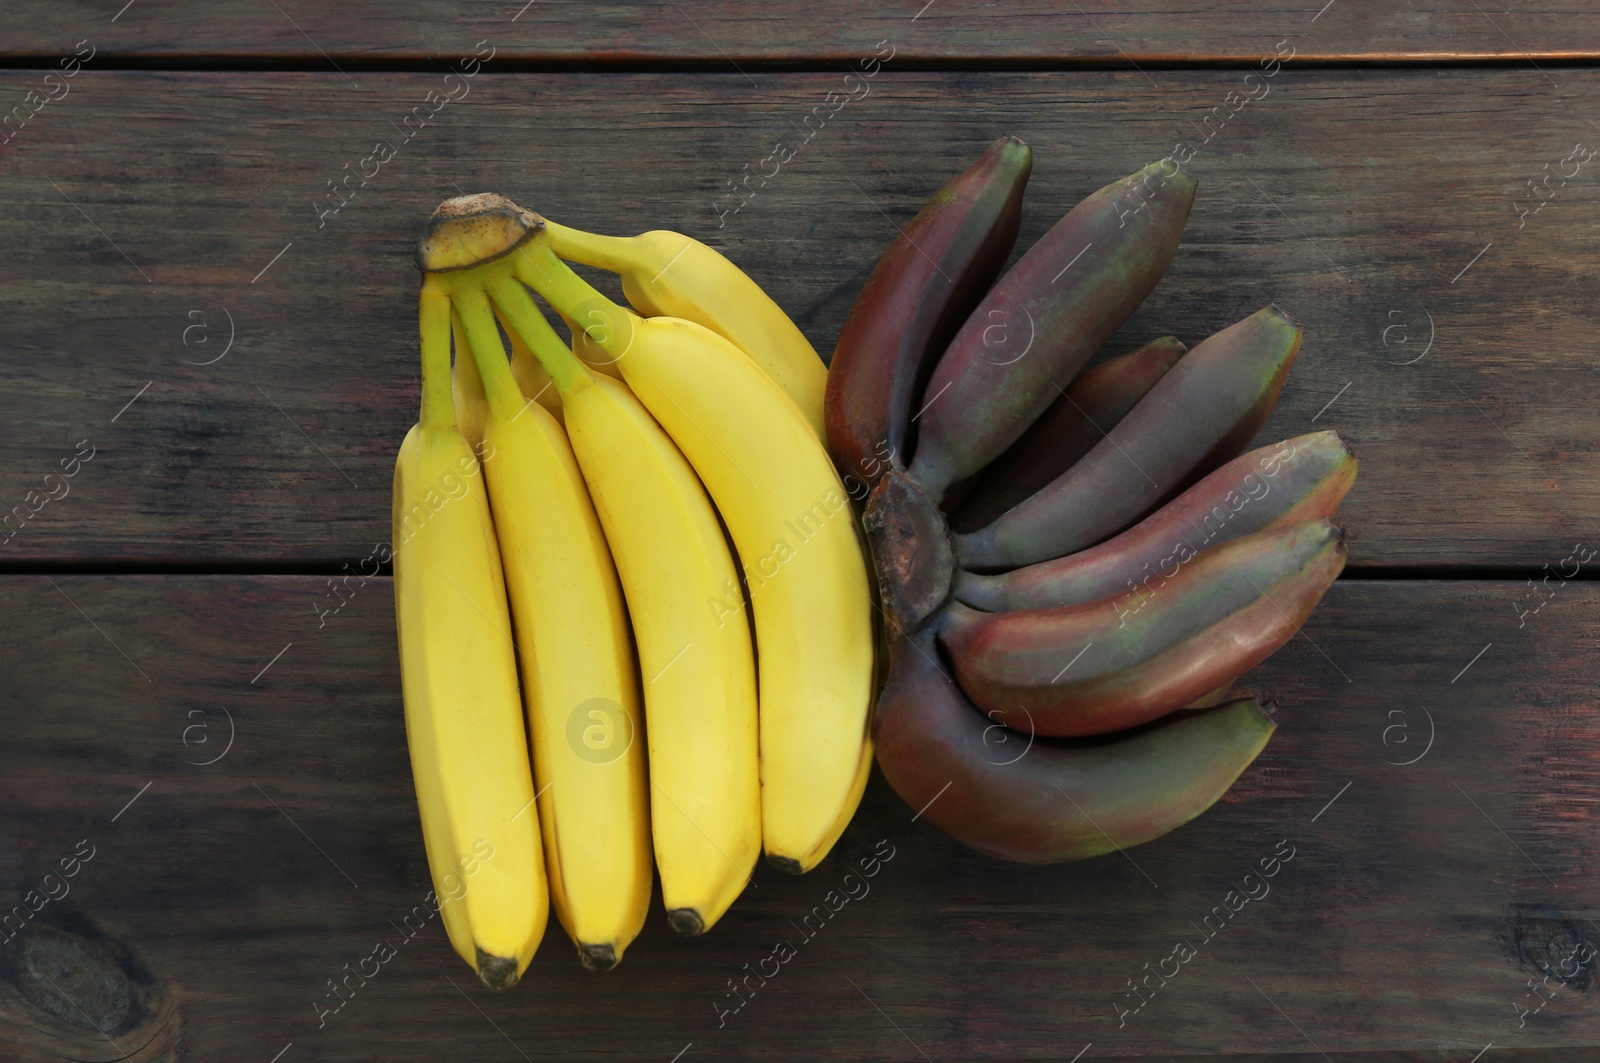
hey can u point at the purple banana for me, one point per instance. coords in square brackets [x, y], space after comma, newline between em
[1041, 323]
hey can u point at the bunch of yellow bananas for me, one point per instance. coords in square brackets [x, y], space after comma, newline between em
[590, 555]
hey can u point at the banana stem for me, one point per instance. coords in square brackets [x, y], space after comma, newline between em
[468, 380]
[523, 363]
[527, 321]
[433, 322]
[603, 252]
[539, 268]
[505, 398]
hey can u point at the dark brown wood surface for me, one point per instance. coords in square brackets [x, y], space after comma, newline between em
[1041, 31]
[151, 217]
[210, 370]
[1417, 902]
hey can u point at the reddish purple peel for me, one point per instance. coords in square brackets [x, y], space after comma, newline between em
[1050, 729]
[1120, 662]
[1066, 431]
[1202, 413]
[917, 296]
[1297, 480]
[1041, 323]
[1004, 793]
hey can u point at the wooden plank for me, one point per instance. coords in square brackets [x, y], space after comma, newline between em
[720, 34]
[1415, 903]
[151, 217]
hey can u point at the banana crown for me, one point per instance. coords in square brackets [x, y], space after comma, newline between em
[465, 231]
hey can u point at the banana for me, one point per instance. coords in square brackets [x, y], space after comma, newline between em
[919, 293]
[472, 407]
[1044, 319]
[1122, 661]
[1299, 479]
[1066, 431]
[437, 840]
[578, 681]
[1202, 413]
[669, 274]
[694, 645]
[1050, 801]
[786, 511]
[458, 672]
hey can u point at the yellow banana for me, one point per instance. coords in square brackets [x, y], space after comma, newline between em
[788, 515]
[698, 666]
[578, 675]
[458, 675]
[852, 800]
[669, 274]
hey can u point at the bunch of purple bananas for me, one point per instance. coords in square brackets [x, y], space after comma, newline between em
[1074, 565]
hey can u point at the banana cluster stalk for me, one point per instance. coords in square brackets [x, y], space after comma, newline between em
[667, 553]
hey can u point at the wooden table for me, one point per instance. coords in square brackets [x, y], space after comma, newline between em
[226, 365]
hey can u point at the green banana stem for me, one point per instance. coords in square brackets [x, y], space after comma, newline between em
[472, 405]
[505, 398]
[433, 321]
[539, 268]
[527, 321]
[611, 253]
[522, 360]
[458, 333]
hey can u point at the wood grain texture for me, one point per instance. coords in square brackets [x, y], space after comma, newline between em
[145, 212]
[1104, 31]
[1417, 903]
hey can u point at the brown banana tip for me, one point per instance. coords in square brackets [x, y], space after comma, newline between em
[597, 957]
[1284, 314]
[787, 864]
[497, 972]
[466, 231]
[1267, 705]
[687, 922]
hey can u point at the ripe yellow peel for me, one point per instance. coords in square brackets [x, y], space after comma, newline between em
[458, 673]
[436, 836]
[672, 559]
[787, 512]
[578, 671]
[698, 669]
[852, 801]
[666, 273]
